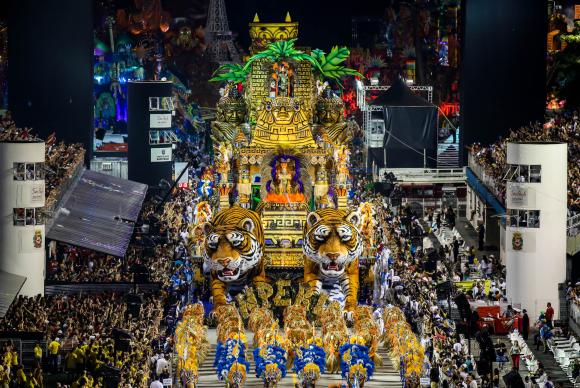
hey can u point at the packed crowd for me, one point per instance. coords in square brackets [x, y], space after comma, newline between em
[81, 331]
[75, 264]
[82, 337]
[560, 128]
[410, 283]
[62, 161]
[10, 132]
[11, 370]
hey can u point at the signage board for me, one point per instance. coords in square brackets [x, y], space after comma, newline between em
[161, 154]
[160, 120]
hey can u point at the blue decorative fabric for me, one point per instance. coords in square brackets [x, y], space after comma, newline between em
[357, 354]
[270, 354]
[310, 355]
[227, 354]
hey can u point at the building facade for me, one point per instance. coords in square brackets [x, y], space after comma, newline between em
[535, 236]
[22, 200]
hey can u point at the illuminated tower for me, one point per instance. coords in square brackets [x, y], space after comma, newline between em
[218, 34]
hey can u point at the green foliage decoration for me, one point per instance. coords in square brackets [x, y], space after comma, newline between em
[328, 66]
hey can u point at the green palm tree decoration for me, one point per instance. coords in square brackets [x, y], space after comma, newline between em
[233, 72]
[279, 50]
[328, 66]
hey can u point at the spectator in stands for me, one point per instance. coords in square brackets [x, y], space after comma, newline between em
[53, 349]
[434, 376]
[549, 315]
[525, 325]
[495, 378]
[480, 236]
[450, 216]
[156, 383]
[38, 353]
[515, 353]
[509, 312]
[161, 365]
[455, 245]
[575, 368]
[471, 382]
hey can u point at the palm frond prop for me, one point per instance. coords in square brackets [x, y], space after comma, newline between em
[232, 72]
[328, 66]
[277, 51]
[331, 65]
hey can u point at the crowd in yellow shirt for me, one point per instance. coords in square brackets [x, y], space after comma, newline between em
[12, 372]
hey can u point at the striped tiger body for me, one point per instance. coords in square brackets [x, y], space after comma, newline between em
[332, 245]
[234, 242]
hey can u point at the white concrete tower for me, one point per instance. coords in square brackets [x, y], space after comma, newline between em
[21, 205]
[535, 239]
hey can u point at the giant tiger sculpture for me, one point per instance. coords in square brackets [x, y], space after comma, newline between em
[332, 246]
[234, 241]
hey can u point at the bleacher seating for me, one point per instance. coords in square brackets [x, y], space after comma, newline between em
[565, 350]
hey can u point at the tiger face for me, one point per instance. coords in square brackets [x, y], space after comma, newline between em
[332, 240]
[233, 244]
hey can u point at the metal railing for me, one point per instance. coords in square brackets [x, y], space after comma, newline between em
[490, 183]
[51, 208]
[58, 288]
[573, 225]
[432, 175]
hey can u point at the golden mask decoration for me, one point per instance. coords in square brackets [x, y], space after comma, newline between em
[282, 121]
[329, 110]
[231, 109]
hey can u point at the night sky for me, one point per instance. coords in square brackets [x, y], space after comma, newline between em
[323, 23]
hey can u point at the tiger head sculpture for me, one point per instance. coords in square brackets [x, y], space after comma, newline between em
[234, 241]
[332, 240]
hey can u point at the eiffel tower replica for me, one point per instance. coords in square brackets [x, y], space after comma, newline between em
[218, 34]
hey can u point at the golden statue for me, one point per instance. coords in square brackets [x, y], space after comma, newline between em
[285, 186]
[342, 158]
[230, 115]
[224, 155]
[285, 180]
[332, 126]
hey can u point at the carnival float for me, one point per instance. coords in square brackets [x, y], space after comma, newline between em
[282, 243]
